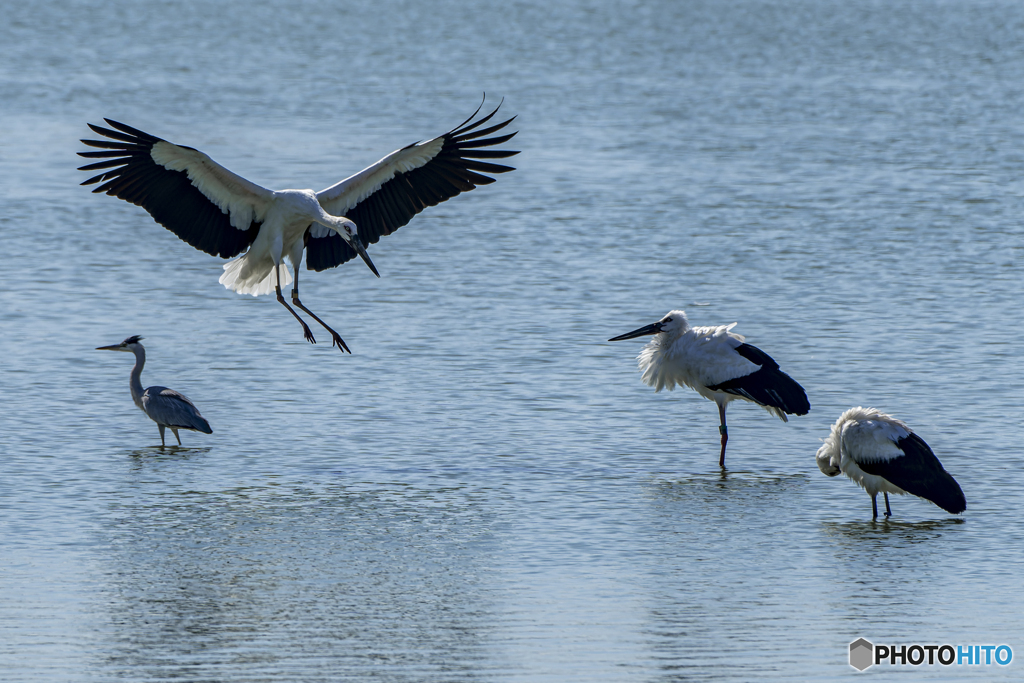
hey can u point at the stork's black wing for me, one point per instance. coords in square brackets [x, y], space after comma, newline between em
[184, 190]
[385, 196]
[919, 472]
[767, 386]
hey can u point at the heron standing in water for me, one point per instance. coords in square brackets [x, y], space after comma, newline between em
[164, 406]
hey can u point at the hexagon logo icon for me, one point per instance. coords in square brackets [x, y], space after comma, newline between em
[862, 654]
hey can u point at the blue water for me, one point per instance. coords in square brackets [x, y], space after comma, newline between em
[484, 490]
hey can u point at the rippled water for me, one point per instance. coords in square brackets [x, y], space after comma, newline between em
[485, 490]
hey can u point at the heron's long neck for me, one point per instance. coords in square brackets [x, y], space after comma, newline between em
[136, 380]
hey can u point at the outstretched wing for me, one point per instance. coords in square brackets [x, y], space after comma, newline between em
[385, 196]
[184, 190]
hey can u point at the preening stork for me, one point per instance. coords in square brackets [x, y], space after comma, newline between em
[224, 214]
[883, 454]
[164, 406]
[714, 362]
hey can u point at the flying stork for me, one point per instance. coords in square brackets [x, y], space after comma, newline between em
[223, 214]
[164, 406]
[883, 454]
[714, 362]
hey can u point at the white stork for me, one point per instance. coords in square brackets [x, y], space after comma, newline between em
[224, 214]
[714, 362]
[883, 454]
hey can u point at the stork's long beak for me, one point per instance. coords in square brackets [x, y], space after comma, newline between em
[114, 347]
[357, 244]
[653, 328]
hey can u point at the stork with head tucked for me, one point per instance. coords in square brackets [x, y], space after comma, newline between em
[714, 362]
[164, 406]
[223, 214]
[883, 454]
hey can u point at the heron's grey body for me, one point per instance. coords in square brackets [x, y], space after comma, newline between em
[167, 407]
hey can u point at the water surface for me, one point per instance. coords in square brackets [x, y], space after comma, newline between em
[485, 490]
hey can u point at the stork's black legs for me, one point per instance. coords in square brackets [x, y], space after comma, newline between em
[175, 431]
[334, 335]
[280, 297]
[337, 340]
[725, 434]
[874, 505]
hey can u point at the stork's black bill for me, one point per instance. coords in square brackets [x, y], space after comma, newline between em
[222, 213]
[366, 257]
[653, 328]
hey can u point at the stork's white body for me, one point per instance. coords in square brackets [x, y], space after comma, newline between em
[224, 214]
[717, 364]
[285, 221]
[698, 358]
[883, 455]
[863, 435]
[283, 215]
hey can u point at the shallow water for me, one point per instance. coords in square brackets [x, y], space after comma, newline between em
[485, 490]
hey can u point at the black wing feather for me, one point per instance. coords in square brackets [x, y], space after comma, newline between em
[453, 171]
[767, 386]
[920, 473]
[169, 196]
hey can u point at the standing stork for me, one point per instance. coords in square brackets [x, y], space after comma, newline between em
[223, 214]
[714, 362]
[166, 407]
[883, 454]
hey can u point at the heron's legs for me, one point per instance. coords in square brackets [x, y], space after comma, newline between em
[725, 434]
[162, 444]
[888, 512]
[337, 340]
[176, 435]
[280, 297]
[874, 506]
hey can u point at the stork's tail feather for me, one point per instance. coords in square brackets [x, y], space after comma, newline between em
[789, 396]
[254, 277]
[949, 497]
[920, 473]
[772, 389]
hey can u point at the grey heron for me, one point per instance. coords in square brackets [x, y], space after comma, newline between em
[166, 407]
[883, 454]
[223, 214]
[718, 365]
